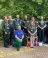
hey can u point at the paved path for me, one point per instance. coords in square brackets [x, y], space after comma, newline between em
[25, 52]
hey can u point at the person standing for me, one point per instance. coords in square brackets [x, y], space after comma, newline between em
[17, 22]
[11, 29]
[6, 31]
[24, 24]
[32, 30]
[42, 25]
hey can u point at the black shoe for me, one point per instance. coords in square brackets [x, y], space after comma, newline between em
[18, 49]
[31, 47]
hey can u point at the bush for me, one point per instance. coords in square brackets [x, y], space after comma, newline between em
[21, 7]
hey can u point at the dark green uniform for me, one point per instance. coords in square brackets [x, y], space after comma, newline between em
[41, 34]
[24, 25]
[32, 29]
[11, 31]
[6, 33]
[16, 23]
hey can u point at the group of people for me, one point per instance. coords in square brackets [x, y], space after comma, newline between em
[19, 32]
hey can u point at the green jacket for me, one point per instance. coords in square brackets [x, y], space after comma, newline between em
[32, 28]
[6, 27]
[25, 23]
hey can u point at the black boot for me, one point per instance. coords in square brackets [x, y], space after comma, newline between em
[18, 48]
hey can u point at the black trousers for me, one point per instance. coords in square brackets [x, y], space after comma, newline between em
[46, 33]
[6, 40]
[24, 43]
[41, 34]
[25, 30]
[11, 36]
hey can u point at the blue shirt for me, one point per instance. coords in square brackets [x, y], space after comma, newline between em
[19, 33]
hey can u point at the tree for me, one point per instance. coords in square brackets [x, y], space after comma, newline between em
[21, 7]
